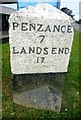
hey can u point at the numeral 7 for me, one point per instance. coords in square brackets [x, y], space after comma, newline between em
[43, 37]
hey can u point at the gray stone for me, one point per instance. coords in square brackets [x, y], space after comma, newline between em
[41, 91]
[44, 97]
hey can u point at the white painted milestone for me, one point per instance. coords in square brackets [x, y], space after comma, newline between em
[40, 40]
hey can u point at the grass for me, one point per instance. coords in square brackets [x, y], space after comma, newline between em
[70, 102]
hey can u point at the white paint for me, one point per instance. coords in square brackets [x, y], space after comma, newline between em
[40, 14]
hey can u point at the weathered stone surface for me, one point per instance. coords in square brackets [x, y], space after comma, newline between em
[40, 40]
[44, 97]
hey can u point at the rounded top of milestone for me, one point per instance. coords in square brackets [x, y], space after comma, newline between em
[42, 10]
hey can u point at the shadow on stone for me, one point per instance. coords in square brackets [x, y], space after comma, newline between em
[25, 82]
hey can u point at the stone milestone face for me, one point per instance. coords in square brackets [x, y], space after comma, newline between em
[40, 40]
